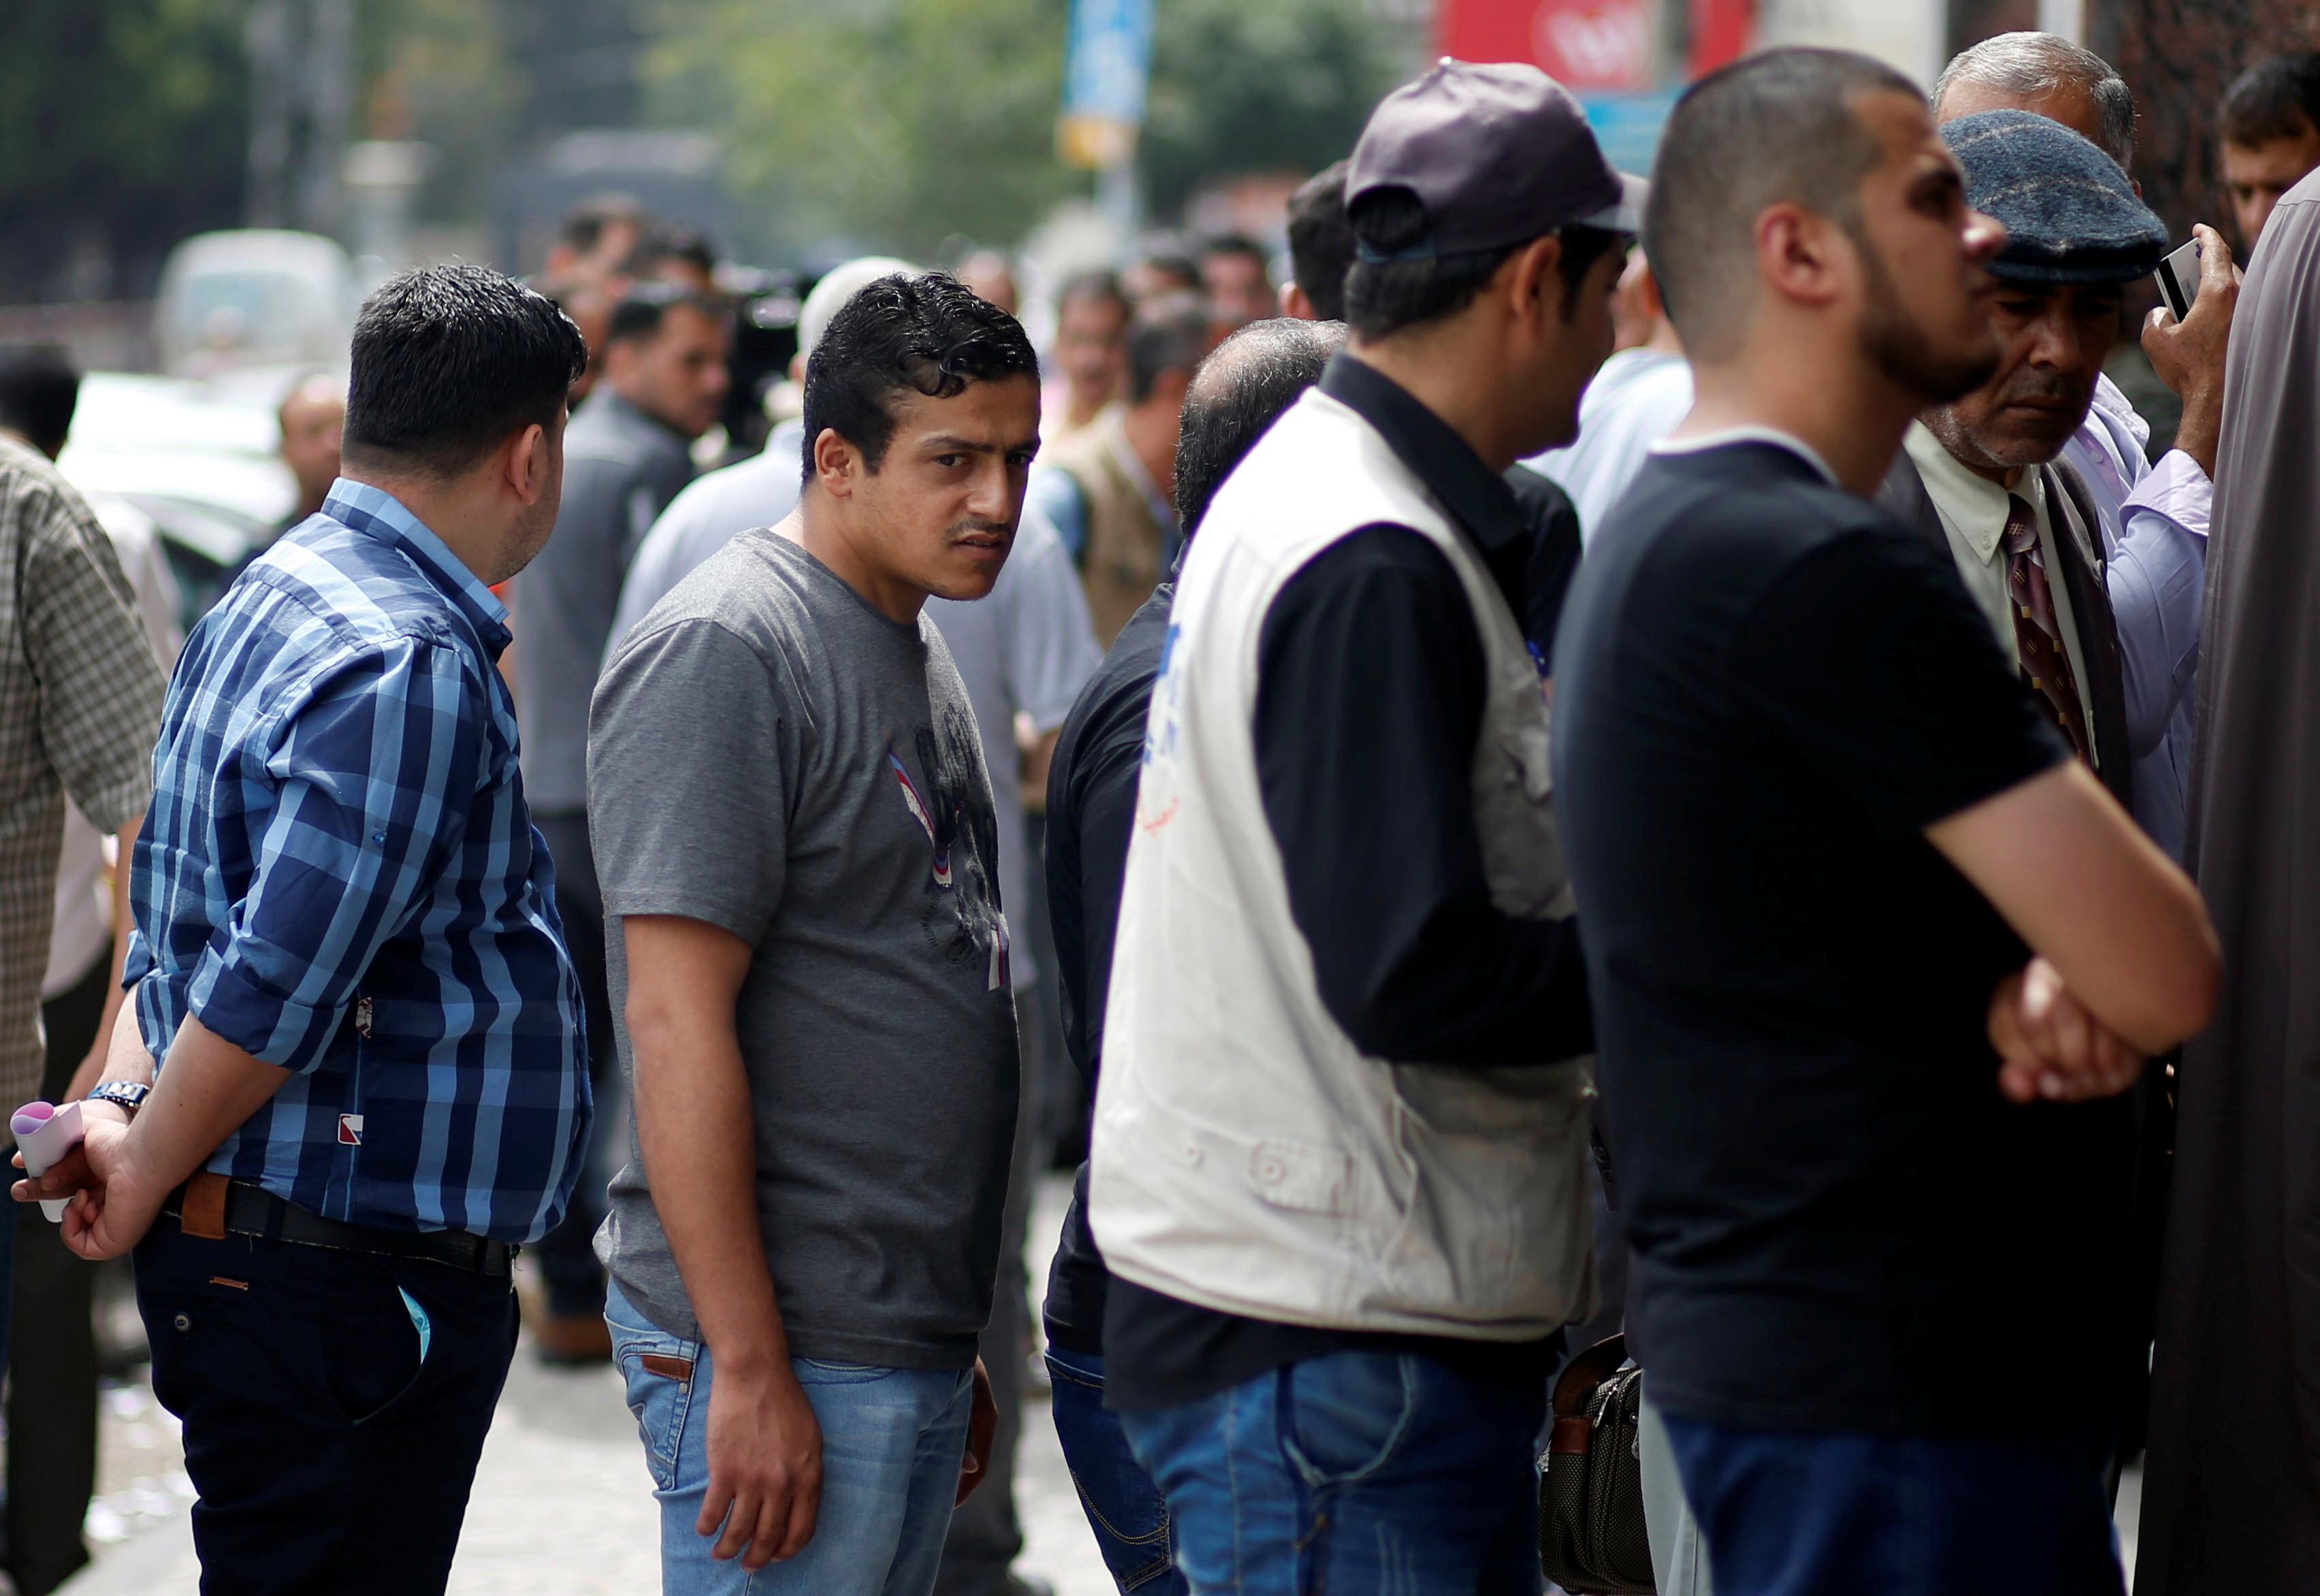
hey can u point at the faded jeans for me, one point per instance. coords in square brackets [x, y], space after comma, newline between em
[892, 1441]
[1360, 1474]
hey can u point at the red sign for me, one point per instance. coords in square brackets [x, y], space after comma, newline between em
[1581, 44]
[1719, 32]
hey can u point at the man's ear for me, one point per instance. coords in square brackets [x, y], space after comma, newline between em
[1532, 280]
[1798, 253]
[525, 465]
[837, 466]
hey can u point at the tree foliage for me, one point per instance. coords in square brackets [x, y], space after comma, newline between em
[888, 123]
[122, 129]
[897, 123]
[1237, 86]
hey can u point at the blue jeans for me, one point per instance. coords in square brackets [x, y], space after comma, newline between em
[1874, 1515]
[892, 1442]
[1123, 1506]
[1351, 1473]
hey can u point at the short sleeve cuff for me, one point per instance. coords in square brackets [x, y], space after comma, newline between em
[2041, 750]
[113, 806]
[228, 999]
[741, 919]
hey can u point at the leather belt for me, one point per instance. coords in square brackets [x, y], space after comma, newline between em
[209, 1206]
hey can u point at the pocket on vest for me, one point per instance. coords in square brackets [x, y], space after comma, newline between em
[1309, 1179]
[1497, 1219]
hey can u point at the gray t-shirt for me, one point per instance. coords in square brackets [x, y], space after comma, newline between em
[770, 754]
[1027, 647]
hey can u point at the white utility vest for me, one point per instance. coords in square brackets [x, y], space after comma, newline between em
[1247, 1157]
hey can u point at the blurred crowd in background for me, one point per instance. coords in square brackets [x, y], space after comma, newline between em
[691, 404]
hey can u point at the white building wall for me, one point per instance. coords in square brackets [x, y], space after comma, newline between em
[1909, 33]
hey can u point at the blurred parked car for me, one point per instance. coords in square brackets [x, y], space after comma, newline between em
[254, 297]
[198, 458]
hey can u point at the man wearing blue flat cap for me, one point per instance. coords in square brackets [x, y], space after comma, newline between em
[2154, 512]
[1983, 477]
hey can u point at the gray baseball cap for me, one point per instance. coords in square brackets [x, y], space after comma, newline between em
[1498, 155]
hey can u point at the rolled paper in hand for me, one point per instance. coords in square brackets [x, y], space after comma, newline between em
[44, 1135]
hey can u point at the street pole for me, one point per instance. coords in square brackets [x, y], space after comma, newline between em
[1120, 199]
[329, 80]
[267, 36]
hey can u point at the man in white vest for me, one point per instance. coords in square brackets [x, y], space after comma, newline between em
[1337, 1167]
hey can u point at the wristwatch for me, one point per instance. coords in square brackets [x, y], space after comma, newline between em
[122, 1093]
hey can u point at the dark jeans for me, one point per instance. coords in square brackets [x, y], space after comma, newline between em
[568, 1254]
[1124, 1508]
[334, 1405]
[1360, 1474]
[1874, 1515]
[51, 1341]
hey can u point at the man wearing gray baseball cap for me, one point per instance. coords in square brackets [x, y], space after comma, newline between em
[1338, 1159]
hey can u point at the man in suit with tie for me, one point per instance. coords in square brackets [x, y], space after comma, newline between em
[1983, 477]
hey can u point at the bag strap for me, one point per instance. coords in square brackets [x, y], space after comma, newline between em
[1572, 1430]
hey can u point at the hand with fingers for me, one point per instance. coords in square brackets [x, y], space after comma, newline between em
[765, 1466]
[981, 1429]
[2050, 1047]
[112, 1203]
[2188, 354]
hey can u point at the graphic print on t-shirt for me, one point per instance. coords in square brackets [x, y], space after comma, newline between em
[961, 914]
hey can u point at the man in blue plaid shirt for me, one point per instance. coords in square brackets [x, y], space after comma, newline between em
[354, 1005]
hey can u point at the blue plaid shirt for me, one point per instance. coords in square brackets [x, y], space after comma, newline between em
[339, 874]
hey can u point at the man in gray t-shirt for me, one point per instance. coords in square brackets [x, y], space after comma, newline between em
[795, 834]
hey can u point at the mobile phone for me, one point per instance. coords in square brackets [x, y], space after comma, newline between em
[2178, 278]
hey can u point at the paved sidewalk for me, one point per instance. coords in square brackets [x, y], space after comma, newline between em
[562, 1502]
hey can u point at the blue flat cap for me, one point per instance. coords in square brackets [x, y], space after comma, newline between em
[2071, 214]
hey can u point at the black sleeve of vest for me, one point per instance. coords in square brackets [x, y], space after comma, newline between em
[1370, 694]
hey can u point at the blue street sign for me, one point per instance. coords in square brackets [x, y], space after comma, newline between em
[1627, 126]
[1108, 59]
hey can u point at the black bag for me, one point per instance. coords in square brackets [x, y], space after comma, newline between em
[1590, 1487]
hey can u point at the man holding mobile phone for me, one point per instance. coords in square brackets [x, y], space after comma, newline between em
[2153, 518]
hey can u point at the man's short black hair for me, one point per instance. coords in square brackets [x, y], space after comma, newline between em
[39, 387]
[2274, 99]
[1779, 126]
[585, 222]
[1169, 333]
[1103, 283]
[928, 332]
[640, 312]
[447, 361]
[1235, 244]
[1321, 240]
[1385, 296]
[671, 240]
[1172, 258]
[1237, 394]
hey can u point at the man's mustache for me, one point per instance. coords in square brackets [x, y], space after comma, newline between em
[2032, 384]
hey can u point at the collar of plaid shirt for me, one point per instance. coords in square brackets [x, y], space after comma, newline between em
[340, 875]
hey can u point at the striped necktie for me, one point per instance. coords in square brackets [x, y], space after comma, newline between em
[2037, 634]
